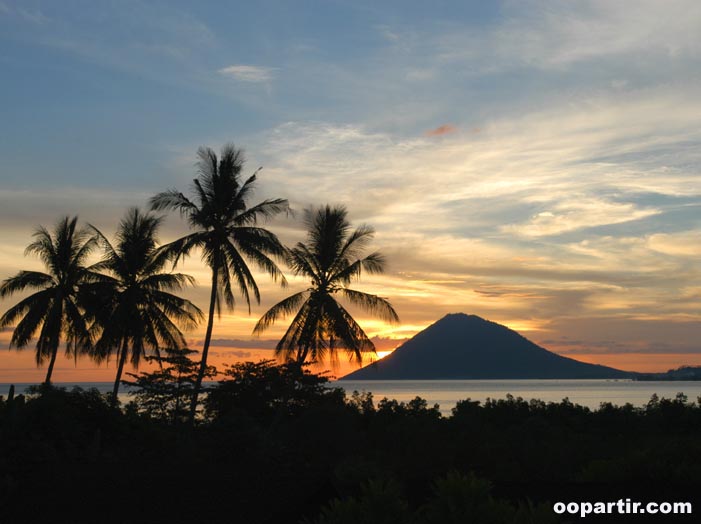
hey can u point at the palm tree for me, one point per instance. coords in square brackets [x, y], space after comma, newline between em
[330, 259]
[54, 310]
[132, 306]
[225, 232]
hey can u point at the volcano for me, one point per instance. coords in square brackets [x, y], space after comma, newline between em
[463, 347]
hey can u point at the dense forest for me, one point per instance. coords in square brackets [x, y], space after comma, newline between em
[275, 443]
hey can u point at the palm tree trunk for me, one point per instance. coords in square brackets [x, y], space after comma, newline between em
[302, 355]
[55, 340]
[120, 368]
[205, 345]
[49, 371]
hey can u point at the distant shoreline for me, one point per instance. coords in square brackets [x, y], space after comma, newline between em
[590, 393]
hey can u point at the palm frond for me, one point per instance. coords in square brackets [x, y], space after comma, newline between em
[231, 160]
[303, 262]
[207, 165]
[373, 264]
[237, 267]
[247, 187]
[172, 200]
[331, 258]
[24, 280]
[37, 301]
[44, 248]
[356, 242]
[85, 245]
[292, 341]
[282, 309]
[351, 336]
[187, 314]
[372, 304]
[256, 244]
[178, 249]
[264, 210]
[166, 281]
[134, 311]
[78, 338]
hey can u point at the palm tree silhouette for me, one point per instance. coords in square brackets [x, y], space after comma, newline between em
[330, 259]
[54, 310]
[132, 306]
[226, 233]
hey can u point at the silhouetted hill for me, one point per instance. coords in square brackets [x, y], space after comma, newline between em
[461, 346]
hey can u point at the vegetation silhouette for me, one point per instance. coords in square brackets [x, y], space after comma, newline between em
[265, 390]
[131, 305]
[226, 232]
[331, 260]
[455, 498]
[54, 310]
[280, 431]
[165, 394]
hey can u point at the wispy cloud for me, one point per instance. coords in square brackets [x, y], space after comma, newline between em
[576, 202]
[32, 15]
[445, 129]
[238, 343]
[552, 35]
[248, 73]
[577, 214]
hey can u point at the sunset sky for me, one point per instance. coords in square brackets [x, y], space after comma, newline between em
[534, 163]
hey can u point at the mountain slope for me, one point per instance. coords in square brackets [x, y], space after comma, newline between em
[461, 346]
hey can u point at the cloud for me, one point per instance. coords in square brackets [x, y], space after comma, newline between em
[31, 15]
[624, 334]
[160, 44]
[248, 73]
[571, 210]
[445, 129]
[613, 347]
[579, 213]
[549, 172]
[578, 196]
[557, 35]
[681, 244]
[232, 353]
[237, 343]
[34, 16]
[387, 343]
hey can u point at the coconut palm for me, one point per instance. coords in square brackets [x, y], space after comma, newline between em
[133, 309]
[226, 233]
[53, 310]
[331, 260]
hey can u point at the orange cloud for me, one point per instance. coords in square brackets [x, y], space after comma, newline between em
[445, 129]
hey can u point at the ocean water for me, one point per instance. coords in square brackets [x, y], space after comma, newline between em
[102, 387]
[590, 393]
[447, 393]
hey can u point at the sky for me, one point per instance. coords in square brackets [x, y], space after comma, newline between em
[534, 163]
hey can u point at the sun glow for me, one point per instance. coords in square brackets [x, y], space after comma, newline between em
[383, 354]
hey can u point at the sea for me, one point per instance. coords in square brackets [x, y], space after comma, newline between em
[446, 393]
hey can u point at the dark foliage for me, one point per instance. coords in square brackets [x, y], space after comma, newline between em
[165, 394]
[134, 311]
[54, 312]
[263, 391]
[226, 231]
[277, 445]
[331, 260]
